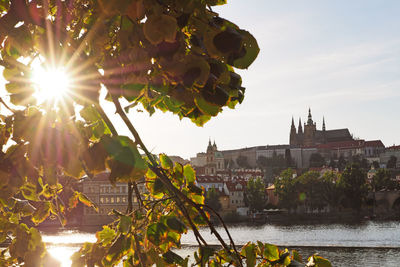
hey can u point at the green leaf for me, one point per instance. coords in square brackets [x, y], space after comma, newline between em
[124, 224]
[106, 236]
[85, 200]
[189, 174]
[251, 50]
[160, 28]
[41, 213]
[171, 258]
[321, 262]
[205, 107]
[176, 225]
[271, 252]
[249, 251]
[166, 162]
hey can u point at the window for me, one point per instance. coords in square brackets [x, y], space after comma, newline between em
[101, 200]
[123, 199]
[112, 200]
[107, 200]
[118, 199]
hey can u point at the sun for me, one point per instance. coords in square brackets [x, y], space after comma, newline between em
[51, 83]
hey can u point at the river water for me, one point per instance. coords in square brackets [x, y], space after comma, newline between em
[367, 244]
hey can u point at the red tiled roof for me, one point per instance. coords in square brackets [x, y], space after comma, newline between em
[374, 143]
[232, 185]
[343, 144]
[209, 179]
[393, 147]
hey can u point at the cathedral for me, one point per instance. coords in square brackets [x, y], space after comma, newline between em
[307, 135]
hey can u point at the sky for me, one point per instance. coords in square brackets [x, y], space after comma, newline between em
[340, 58]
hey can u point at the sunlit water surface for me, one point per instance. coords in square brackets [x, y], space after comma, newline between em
[369, 244]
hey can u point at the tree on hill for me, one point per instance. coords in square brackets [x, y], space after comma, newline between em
[317, 160]
[255, 195]
[286, 190]
[353, 182]
[172, 55]
[391, 162]
[382, 180]
[212, 199]
[242, 162]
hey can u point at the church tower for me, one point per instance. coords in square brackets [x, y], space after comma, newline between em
[300, 135]
[293, 134]
[309, 131]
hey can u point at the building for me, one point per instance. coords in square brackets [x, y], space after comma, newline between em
[107, 197]
[309, 135]
[210, 162]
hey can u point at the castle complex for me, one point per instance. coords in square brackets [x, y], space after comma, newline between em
[312, 137]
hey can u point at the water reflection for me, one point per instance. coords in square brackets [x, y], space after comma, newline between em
[370, 244]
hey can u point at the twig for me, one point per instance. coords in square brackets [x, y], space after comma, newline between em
[5, 104]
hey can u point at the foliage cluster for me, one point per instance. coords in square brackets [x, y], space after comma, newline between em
[348, 189]
[172, 55]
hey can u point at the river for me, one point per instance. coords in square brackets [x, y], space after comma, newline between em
[367, 244]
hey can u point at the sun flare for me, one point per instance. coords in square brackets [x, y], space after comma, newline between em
[50, 84]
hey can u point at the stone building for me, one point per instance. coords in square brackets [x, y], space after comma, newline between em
[210, 162]
[309, 135]
[107, 197]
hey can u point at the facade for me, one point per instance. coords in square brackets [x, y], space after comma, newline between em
[209, 163]
[106, 197]
[208, 182]
[235, 190]
[308, 135]
[389, 152]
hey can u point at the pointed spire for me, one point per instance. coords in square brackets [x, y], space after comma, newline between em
[292, 121]
[209, 141]
[309, 121]
[323, 124]
[300, 129]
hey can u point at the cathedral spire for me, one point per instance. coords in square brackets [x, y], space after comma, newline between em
[323, 124]
[300, 129]
[309, 121]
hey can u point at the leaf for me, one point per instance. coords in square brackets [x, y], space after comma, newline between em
[321, 262]
[271, 252]
[251, 51]
[171, 258]
[106, 236]
[160, 28]
[189, 174]
[41, 213]
[249, 251]
[176, 225]
[205, 107]
[166, 162]
[124, 224]
[85, 200]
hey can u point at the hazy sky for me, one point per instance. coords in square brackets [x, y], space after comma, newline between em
[341, 58]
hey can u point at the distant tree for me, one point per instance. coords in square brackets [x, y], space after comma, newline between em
[241, 161]
[364, 164]
[285, 189]
[341, 163]
[262, 162]
[355, 159]
[317, 160]
[308, 186]
[288, 158]
[376, 164]
[212, 199]
[332, 163]
[392, 162]
[255, 195]
[353, 183]
[331, 192]
[382, 180]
